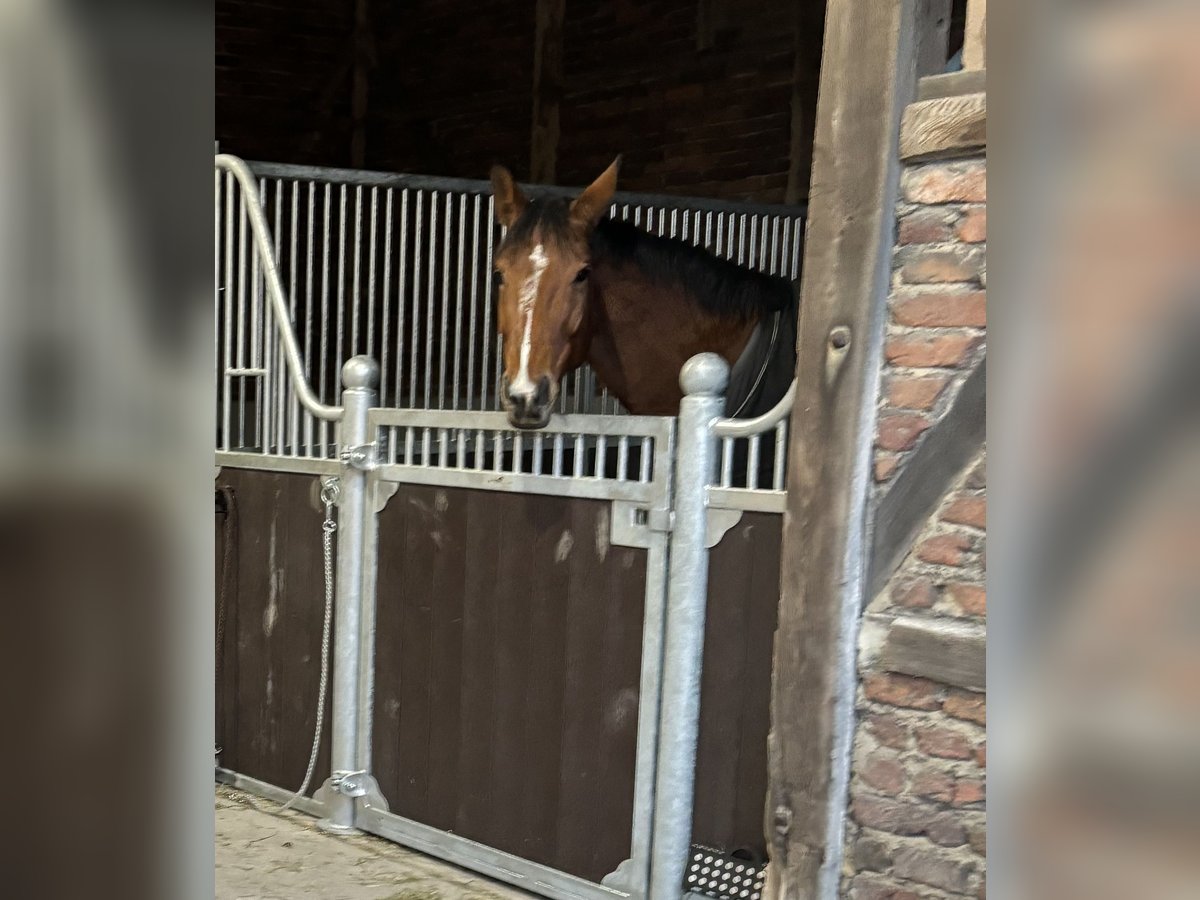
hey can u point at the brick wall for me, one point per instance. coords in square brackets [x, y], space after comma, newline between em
[451, 90]
[917, 808]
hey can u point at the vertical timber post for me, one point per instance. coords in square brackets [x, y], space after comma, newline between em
[360, 378]
[868, 74]
[703, 380]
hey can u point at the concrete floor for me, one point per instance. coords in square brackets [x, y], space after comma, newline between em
[263, 854]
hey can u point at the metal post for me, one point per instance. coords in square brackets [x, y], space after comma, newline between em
[703, 380]
[360, 378]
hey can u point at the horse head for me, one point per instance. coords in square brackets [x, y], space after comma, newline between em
[543, 266]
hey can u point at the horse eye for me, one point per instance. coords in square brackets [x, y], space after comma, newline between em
[499, 276]
[582, 275]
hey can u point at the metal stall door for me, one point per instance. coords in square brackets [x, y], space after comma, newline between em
[518, 636]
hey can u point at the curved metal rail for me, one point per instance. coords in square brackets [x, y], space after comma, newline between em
[741, 428]
[262, 242]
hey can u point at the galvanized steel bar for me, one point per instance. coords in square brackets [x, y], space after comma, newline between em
[360, 378]
[703, 379]
[274, 287]
[385, 319]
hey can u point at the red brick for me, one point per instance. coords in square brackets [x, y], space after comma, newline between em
[949, 309]
[919, 594]
[922, 265]
[968, 790]
[883, 772]
[966, 705]
[944, 549]
[967, 511]
[972, 227]
[900, 432]
[932, 867]
[889, 815]
[933, 784]
[888, 730]
[924, 226]
[944, 743]
[947, 830]
[981, 755]
[970, 598]
[932, 351]
[902, 690]
[946, 183]
[885, 465]
[906, 392]
[868, 886]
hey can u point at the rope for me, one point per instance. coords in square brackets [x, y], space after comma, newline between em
[329, 495]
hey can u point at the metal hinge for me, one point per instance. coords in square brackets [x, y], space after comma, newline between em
[632, 523]
[360, 456]
[350, 784]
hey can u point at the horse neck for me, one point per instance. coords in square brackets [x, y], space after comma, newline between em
[642, 332]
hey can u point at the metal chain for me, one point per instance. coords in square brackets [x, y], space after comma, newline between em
[330, 489]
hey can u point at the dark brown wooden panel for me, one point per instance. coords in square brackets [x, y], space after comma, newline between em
[274, 608]
[507, 664]
[731, 764]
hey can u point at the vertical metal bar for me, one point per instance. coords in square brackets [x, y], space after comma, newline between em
[360, 376]
[577, 461]
[241, 318]
[384, 332]
[443, 448]
[372, 250]
[217, 204]
[474, 296]
[753, 259]
[418, 229]
[323, 371]
[644, 474]
[797, 250]
[537, 453]
[231, 195]
[458, 307]
[708, 216]
[356, 290]
[433, 223]
[408, 445]
[402, 294]
[487, 305]
[264, 332]
[726, 462]
[720, 234]
[556, 467]
[780, 455]
[741, 257]
[308, 315]
[752, 463]
[443, 348]
[294, 407]
[622, 456]
[775, 261]
[497, 450]
[517, 462]
[785, 261]
[674, 213]
[340, 345]
[601, 453]
[704, 379]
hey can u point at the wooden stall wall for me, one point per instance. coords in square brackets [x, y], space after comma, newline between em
[507, 665]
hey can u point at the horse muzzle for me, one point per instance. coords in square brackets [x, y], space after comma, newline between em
[529, 409]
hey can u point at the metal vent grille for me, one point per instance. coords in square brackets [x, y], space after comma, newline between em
[713, 873]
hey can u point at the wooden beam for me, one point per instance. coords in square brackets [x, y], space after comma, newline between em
[975, 35]
[868, 75]
[808, 27]
[933, 36]
[946, 652]
[952, 84]
[945, 127]
[547, 89]
[944, 452]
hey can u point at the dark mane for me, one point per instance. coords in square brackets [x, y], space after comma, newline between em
[720, 287]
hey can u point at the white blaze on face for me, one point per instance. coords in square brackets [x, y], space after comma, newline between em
[523, 384]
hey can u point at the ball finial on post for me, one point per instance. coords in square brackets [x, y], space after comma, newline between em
[704, 373]
[360, 372]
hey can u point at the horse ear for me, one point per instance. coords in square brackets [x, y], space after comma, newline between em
[510, 202]
[590, 206]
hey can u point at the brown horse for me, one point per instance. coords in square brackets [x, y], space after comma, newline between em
[576, 287]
